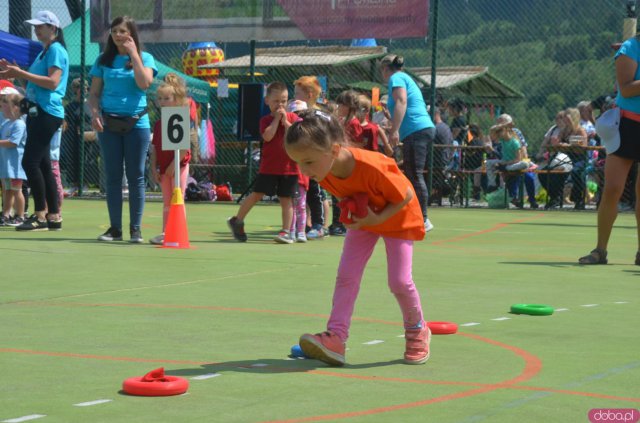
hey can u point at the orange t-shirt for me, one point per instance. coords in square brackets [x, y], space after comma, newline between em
[379, 177]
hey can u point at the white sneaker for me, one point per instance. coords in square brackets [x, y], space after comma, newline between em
[428, 226]
[302, 237]
[157, 240]
[283, 237]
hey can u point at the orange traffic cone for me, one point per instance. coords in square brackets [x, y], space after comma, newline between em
[176, 234]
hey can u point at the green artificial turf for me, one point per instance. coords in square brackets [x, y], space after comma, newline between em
[78, 317]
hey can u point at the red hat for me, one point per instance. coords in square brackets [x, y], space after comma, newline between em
[4, 83]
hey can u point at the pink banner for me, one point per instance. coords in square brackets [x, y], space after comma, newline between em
[344, 19]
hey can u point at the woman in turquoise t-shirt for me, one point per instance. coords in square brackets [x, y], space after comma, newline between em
[410, 124]
[121, 75]
[46, 86]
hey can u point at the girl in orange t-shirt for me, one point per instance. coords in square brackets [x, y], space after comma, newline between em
[317, 144]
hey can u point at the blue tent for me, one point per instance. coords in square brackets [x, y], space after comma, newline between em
[18, 49]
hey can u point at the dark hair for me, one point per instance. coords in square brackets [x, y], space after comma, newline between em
[315, 129]
[457, 105]
[59, 35]
[475, 130]
[111, 51]
[393, 61]
[59, 38]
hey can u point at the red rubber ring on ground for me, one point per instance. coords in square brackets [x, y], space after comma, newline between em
[172, 385]
[442, 328]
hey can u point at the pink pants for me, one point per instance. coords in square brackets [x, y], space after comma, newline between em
[358, 247]
[55, 169]
[299, 221]
[167, 183]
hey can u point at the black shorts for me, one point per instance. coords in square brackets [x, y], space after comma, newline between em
[280, 185]
[629, 140]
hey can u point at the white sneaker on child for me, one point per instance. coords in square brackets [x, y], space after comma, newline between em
[428, 226]
[157, 240]
[283, 237]
[302, 237]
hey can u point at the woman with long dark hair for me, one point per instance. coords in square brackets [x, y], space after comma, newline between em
[46, 86]
[121, 75]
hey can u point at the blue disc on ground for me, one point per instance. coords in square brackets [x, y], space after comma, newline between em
[296, 351]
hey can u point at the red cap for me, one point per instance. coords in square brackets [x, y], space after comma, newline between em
[6, 83]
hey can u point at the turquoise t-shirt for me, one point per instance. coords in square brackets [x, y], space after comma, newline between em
[50, 100]
[11, 158]
[630, 48]
[416, 117]
[510, 149]
[120, 93]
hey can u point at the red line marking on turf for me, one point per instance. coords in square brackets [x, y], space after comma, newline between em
[486, 231]
[100, 357]
[533, 364]
[172, 306]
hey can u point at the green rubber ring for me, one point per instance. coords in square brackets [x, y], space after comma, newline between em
[532, 309]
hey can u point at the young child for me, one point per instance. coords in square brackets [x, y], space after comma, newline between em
[348, 106]
[299, 220]
[317, 144]
[13, 136]
[277, 174]
[171, 93]
[371, 132]
[511, 153]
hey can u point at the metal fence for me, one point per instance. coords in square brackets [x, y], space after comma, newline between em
[528, 59]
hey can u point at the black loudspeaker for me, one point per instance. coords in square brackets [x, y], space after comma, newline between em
[251, 108]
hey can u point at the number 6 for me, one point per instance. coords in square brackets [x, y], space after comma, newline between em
[174, 130]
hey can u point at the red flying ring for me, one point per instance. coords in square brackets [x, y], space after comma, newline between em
[442, 328]
[170, 385]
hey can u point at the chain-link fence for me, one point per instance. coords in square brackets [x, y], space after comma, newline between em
[527, 59]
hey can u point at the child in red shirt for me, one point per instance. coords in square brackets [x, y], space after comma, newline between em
[371, 132]
[278, 174]
[172, 92]
[348, 105]
[317, 144]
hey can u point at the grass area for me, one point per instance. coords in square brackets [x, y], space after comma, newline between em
[80, 316]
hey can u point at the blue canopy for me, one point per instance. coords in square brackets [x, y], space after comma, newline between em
[18, 49]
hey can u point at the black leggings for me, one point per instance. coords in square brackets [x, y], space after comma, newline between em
[36, 161]
[314, 201]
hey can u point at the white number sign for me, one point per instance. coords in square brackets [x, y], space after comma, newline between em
[175, 128]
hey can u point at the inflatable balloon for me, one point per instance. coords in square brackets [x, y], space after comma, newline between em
[198, 54]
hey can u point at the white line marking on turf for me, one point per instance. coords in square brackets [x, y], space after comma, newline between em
[24, 418]
[205, 376]
[562, 309]
[259, 365]
[589, 305]
[89, 403]
[498, 319]
[401, 336]
[621, 302]
[375, 341]
[470, 324]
